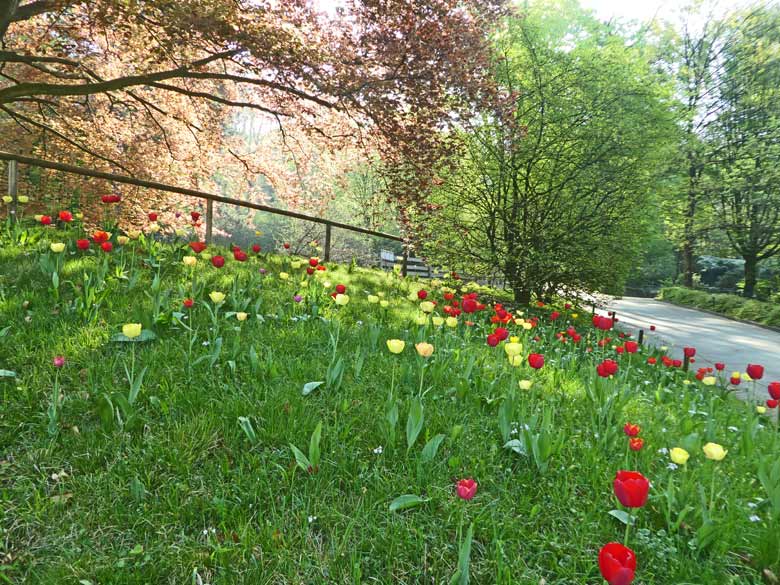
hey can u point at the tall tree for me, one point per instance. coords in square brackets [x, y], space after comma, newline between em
[744, 182]
[555, 180]
[396, 68]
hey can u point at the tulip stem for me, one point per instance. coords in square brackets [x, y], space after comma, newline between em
[422, 376]
[628, 527]
[712, 490]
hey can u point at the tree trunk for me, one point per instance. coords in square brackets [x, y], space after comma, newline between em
[688, 267]
[522, 295]
[751, 276]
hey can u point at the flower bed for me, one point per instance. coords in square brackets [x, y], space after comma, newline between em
[175, 412]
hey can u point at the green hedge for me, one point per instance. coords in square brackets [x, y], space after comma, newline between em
[725, 304]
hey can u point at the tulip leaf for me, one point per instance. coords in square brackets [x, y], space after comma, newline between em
[7, 374]
[517, 445]
[623, 516]
[146, 335]
[431, 448]
[414, 423]
[310, 387]
[406, 501]
[301, 459]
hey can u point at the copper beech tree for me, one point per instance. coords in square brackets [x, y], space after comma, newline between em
[149, 87]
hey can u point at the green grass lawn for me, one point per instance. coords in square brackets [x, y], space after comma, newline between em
[194, 480]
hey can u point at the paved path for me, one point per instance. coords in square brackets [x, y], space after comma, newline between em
[716, 339]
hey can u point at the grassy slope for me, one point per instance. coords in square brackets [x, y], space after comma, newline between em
[186, 492]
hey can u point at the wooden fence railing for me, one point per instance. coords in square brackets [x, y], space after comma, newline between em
[15, 159]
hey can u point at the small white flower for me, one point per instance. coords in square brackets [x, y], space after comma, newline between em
[312, 519]
[378, 450]
[671, 466]
[752, 505]
[205, 343]
[205, 532]
[663, 430]
[754, 518]
[663, 451]
[733, 429]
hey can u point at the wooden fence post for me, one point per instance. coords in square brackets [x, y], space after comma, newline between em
[327, 242]
[404, 262]
[209, 220]
[13, 186]
[641, 336]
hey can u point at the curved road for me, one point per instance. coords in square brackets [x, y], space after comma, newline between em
[716, 339]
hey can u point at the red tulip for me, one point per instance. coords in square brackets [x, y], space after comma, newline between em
[720, 366]
[197, 247]
[636, 443]
[617, 564]
[469, 305]
[421, 294]
[194, 215]
[772, 403]
[755, 371]
[99, 237]
[448, 296]
[652, 361]
[774, 390]
[66, 216]
[602, 323]
[45, 220]
[607, 368]
[256, 248]
[620, 349]
[631, 488]
[535, 360]
[286, 245]
[567, 306]
[111, 198]
[631, 346]
[677, 363]
[492, 340]
[341, 289]
[82, 244]
[152, 217]
[652, 327]
[313, 262]
[735, 380]
[631, 430]
[501, 333]
[217, 261]
[689, 352]
[188, 303]
[554, 315]
[240, 255]
[106, 247]
[466, 488]
[309, 270]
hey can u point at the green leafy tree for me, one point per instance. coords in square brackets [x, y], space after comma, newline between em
[556, 181]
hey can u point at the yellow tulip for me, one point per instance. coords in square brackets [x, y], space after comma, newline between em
[427, 307]
[438, 321]
[760, 409]
[574, 315]
[380, 294]
[384, 304]
[57, 247]
[515, 360]
[179, 232]
[284, 275]
[424, 349]
[154, 228]
[709, 380]
[295, 264]
[396, 345]
[714, 451]
[736, 374]
[76, 215]
[451, 321]
[342, 299]
[679, 455]
[746, 377]
[131, 330]
[525, 384]
[241, 316]
[258, 233]
[189, 260]
[513, 348]
[7, 198]
[134, 234]
[519, 321]
[216, 297]
[527, 326]
[373, 299]
[327, 283]
[421, 319]
[514, 339]
[26, 199]
[37, 217]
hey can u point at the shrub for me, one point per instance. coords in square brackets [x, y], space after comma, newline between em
[763, 312]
